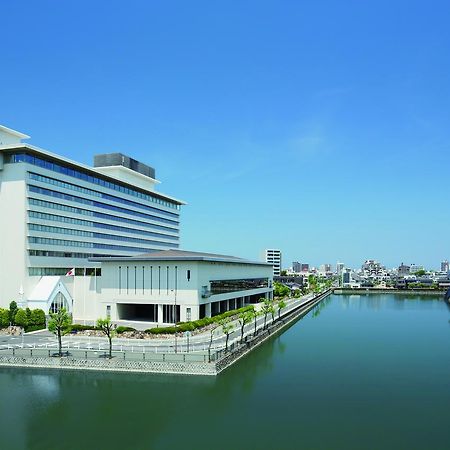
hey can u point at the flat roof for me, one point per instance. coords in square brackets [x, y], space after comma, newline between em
[179, 255]
[91, 170]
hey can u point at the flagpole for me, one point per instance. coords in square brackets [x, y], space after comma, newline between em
[84, 295]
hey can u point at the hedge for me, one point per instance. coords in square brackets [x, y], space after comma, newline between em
[121, 329]
[191, 326]
[31, 328]
[80, 327]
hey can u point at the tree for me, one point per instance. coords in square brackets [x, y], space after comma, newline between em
[29, 318]
[244, 318]
[109, 330]
[21, 318]
[37, 317]
[255, 314]
[59, 324]
[227, 328]
[281, 305]
[267, 308]
[12, 312]
[283, 273]
[280, 290]
[4, 318]
[211, 334]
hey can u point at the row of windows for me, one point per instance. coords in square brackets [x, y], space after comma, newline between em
[85, 201]
[96, 245]
[52, 254]
[86, 212]
[66, 170]
[224, 286]
[90, 234]
[43, 271]
[74, 187]
[86, 223]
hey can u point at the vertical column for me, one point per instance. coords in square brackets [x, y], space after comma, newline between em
[208, 310]
[160, 313]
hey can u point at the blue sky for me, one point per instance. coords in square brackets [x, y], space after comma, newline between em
[318, 127]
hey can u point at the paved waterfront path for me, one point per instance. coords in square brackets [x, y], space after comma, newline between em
[197, 343]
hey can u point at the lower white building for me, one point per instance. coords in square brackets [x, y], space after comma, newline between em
[175, 286]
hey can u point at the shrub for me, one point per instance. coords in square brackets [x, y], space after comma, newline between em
[121, 330]
[37, 317]
[163, 330]
[31, 328]
[80, 327]
[4, 318]
[12, 312]
[21, 318]
[191, 326]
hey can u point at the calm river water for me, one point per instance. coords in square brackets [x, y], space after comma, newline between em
[369, 372]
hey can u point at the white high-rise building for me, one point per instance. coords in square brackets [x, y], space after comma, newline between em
[57, 213]
[273, 256]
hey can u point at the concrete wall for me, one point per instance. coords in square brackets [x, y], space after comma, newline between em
[163, 280]
[13, 254]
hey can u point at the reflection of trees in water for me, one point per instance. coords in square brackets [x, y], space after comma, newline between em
[315, 312]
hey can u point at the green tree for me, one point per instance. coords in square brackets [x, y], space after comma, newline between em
[281, 305]
[12, 312]
[227, 329]
[29, 318]
[4, 318]
[109, 330]
[21, 318]
[280, 290]
[267, 308]
[59, 324]
[283, 273]
[255, 314]
[37, 317]
[211, 335]
[244, 318]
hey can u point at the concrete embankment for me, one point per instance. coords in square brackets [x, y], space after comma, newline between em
[368, 291]
[170, 363]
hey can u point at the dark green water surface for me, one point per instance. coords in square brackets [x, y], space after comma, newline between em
[357, 372]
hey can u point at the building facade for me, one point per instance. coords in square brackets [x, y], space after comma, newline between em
[58, 214]
[445, 267]
[174, 285]
[273, 257]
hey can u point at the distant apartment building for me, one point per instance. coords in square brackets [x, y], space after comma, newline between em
[403, 269]
[273, 256]
[296, 267]
[346, 277]
[305, 267]
[339, 268]
[445, 267]
[415, 268]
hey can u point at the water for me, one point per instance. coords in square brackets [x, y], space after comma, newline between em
[370, 372]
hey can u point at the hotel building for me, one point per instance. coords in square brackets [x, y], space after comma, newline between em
[56, 214]
[102, 242]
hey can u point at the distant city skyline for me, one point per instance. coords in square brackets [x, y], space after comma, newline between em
[315, 129]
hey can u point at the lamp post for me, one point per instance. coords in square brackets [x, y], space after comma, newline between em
[175, 318]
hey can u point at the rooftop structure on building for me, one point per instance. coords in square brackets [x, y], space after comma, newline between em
[61, 213]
